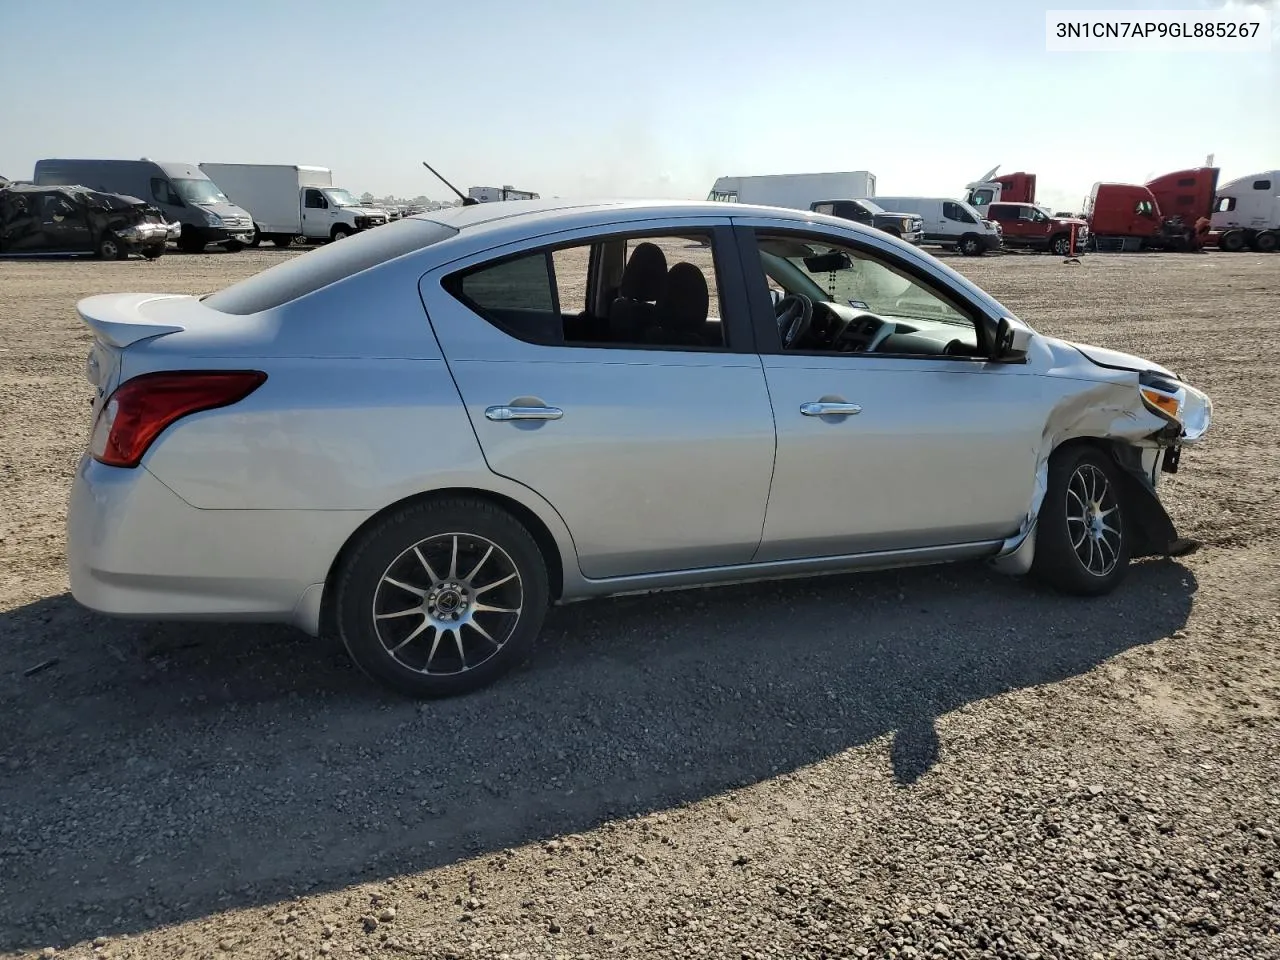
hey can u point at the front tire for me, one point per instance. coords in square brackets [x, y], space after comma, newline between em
[971, 246]
[1082, 540]
[441, 598]
[153, 252]
[1061, 245]
[340, 233]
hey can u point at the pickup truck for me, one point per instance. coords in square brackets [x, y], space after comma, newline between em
[907, 226]
[1031, 227]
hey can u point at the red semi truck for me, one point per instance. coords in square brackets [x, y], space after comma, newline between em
[1163, 214]
[1008, 188]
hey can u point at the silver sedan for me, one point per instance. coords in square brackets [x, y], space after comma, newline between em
[422, 436]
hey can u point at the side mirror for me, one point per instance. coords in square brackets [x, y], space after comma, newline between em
[1010, 342]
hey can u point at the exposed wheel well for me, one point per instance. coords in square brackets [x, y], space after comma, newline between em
[537, 529]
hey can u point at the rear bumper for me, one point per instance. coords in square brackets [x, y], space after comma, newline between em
[136, 549]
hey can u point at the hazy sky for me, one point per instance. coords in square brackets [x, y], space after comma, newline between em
[655, 98]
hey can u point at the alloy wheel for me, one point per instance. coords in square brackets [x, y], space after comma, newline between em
[1093, 520]
[448, 604]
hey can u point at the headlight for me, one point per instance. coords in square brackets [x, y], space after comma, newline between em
[1186, 406]
[212, 219]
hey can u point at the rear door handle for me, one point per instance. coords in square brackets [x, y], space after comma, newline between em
[820, 408]
[523, 413]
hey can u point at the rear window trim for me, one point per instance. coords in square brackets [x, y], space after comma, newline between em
[302, 277]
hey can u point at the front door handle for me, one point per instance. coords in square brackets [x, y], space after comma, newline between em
[821, 408]
[523, 413]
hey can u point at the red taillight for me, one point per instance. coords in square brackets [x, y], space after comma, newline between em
[139, 410]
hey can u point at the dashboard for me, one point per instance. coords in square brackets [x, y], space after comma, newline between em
[841, 328]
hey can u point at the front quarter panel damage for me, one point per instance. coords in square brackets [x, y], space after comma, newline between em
[1102, 406]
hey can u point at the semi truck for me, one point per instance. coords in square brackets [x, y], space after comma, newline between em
[1246, 213]
[1161, 214]
[293, 203]
[797, 191]
[1017, 187]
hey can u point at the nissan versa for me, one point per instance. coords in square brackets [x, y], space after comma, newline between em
[420, 437]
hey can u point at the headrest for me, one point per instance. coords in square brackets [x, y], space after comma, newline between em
[645, 274]
[685, 301]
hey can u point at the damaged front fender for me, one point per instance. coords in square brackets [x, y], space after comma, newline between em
[1103, 405]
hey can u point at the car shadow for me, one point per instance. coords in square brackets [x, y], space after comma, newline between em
[154, 773]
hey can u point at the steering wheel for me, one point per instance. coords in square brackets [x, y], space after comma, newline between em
[795, 316]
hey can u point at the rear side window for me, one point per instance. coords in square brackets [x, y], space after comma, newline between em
[520, 284]
[336, 261]
[1262, 184]
[621, 291]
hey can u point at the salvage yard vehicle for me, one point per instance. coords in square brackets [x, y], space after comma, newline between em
[178, 190]
[1027, 226]
[1246, 213]
[950, 223]
[292, 203]
[908, 226]
[75, 221]
[421, 437]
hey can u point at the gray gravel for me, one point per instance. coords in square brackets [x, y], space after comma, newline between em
[930, 763]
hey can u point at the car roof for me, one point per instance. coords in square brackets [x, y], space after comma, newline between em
[531, 215]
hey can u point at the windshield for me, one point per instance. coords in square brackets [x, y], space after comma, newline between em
[872, 208]
[340, 198]
[856, 280]
[199, 191]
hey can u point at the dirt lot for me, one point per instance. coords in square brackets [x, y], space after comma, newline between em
[936, 763]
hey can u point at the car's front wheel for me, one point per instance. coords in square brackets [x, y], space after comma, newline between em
[442, 597]
[1082, 542]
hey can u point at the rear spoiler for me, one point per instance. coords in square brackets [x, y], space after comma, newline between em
[117, 319]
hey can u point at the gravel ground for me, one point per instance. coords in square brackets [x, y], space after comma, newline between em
[931, 763]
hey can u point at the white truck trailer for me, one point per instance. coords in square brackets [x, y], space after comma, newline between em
[490, 194]
[290, 202]
[1246, 213]
[795, 190]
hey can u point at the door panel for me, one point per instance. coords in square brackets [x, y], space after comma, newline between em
[657, 459]
[657, 462]
[941, 452]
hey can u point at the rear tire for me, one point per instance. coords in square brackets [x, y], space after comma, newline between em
[1265, 242]
[282, 241]
[1082, 539]
[153, 252]
[441, 598]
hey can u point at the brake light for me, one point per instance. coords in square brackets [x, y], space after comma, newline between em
[140, 409]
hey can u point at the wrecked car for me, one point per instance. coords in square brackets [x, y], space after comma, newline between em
[419, 438]
[76, 221]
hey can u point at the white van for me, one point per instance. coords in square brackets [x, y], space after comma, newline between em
[949, 223]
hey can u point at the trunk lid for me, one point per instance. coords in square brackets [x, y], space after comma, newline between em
[118, 321]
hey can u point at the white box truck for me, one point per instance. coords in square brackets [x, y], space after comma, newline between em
[290, 202]
[1246, 213]
[795, 190]
[490, 194]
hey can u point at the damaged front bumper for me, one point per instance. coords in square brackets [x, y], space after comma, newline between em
[1144, 430]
